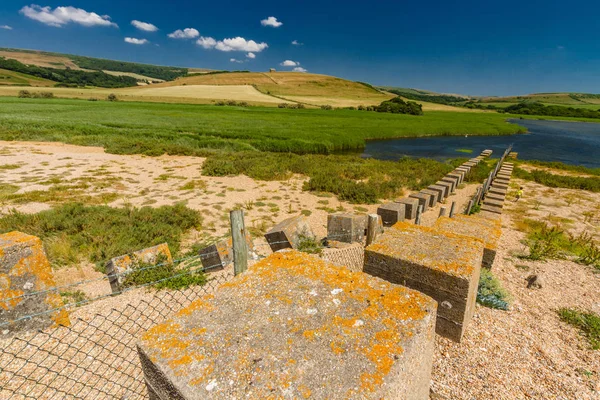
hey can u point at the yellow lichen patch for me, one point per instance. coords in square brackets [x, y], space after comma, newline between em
[432, 248]
[304, 391]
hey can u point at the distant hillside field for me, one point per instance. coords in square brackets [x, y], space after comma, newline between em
[306, 88]
[576, 100]
[12, 78]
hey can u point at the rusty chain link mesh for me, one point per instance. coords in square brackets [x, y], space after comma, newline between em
[95, 358]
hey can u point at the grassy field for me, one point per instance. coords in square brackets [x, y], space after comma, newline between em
[151, 128]
[16, 78]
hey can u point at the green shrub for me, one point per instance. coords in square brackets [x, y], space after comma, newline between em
[591, 184]
[112, 97]
[162, 275]
[587, 322]
[399, 106]
[74, 232]
[490, 292]
[326, 107]
[24, 94]
[309, 244]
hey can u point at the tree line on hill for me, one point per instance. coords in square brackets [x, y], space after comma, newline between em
[153, 71]
[69, 77]
[536, 108]
[431, 98]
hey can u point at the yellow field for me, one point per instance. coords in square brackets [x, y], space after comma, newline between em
[41, 60]
[133, 75]
[294, 86]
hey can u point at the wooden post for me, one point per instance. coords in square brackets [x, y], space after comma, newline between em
[452, 209]
[469, 206]
[442, 212]
[419, 212]
[240, 247]
[372, 228]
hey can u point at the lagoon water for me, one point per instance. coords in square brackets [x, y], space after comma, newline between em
[575, 143]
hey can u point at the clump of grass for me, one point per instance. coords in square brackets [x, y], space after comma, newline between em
[74, 232]
[309, 244]
[587, 322]
[194, 184]
[5, 167]
[466, 151]
[591, 184]
[72, 297]
[357, 180]
[490, 292]
[164, 275]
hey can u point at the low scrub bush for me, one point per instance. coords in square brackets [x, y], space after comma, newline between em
[399, 106]
[591, 184]
[232, 103]
[163, 275]
[588, 324]
[490, 292]
[352, 178]
[112, 97]
[74, 232]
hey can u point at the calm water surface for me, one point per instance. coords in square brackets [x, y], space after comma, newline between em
[568, 142]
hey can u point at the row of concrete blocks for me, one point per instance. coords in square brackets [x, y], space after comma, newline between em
[320, 322]
[493, 201]
[406, 208]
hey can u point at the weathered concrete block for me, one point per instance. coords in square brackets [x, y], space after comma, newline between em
[487, 152]
[477, 228]
[351, 256]
[435, 196]
[498, 185]
[441, 264]
[391, 213]
[288, 233]
[456, 176]
[441, 191]
[346, 227]
[411, 204]
[452, 181]
[491, 208]
[294, 326]
[499, 191]
[25, 270]
[447, 186]
[494, 196]
[424, 199]
[217, 256]
[493, 202]
[118, 268]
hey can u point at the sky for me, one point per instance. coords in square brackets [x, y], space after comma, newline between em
[466, 47]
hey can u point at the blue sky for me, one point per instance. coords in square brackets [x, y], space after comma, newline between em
[469, 47]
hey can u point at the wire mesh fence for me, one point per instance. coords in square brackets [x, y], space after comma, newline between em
[95, 357]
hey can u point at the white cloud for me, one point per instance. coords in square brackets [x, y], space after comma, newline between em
[206, 42]
[299, 69]
[135, 41]
[297, 43]
[251, 55]
[8, 28]
[61, 16]
[233, 60]
[290, 63]
[187, 33]
[240, 44]
[144, 26]
[271, 21]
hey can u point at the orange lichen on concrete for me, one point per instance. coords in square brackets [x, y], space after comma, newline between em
[447, 252]
[470, 225]
[289, 314]
[26, 270]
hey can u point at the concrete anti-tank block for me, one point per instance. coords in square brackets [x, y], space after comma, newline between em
[391, 213]
[288, 233]
[411, 204]
[346, 227]
[423, 198]
[447, 185]
[294, 326]
[452, 180]
[118, 268]
[441, 191]
[456, 176]
[24, 270]
[217, 256]
[435, 196]
[441, 264]
[475, 227]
